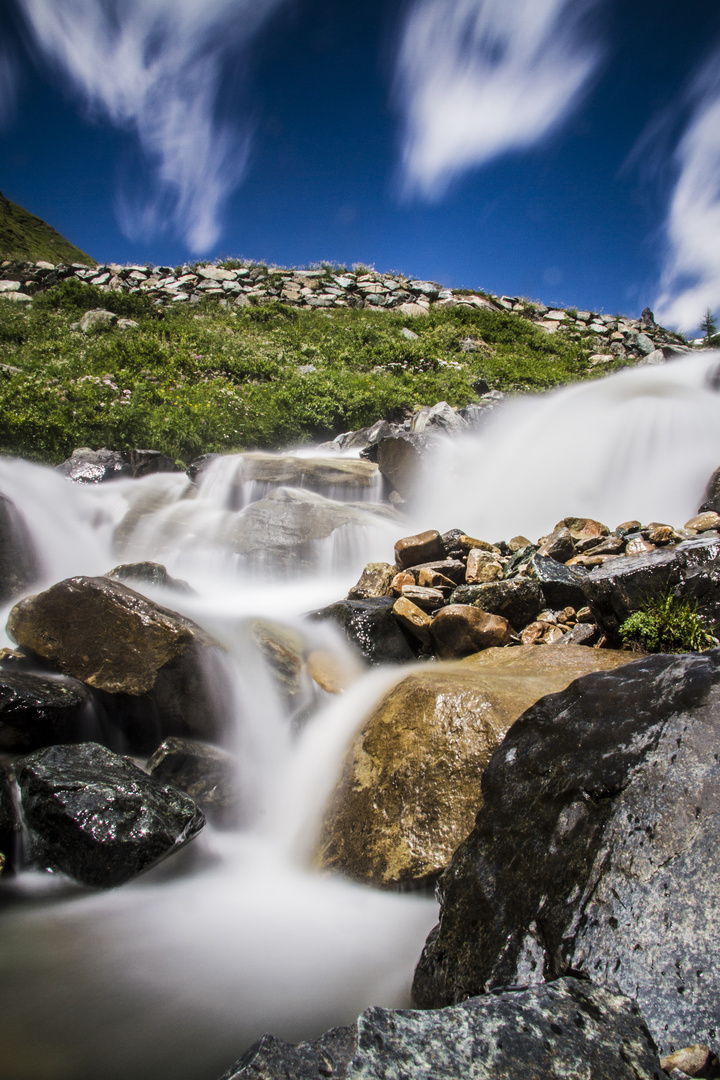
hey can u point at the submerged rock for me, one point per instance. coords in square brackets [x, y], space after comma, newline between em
[147, 660]
[595, 851]
[147, 573]
[410, 786]
[206, 773]
[99, 818]
[18, 564]
[37, 711]
[563, 1031]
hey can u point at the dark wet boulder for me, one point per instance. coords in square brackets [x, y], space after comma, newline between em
[86, 466]
[147, 573]
[206, 773]
[518, 599]
[561, 585]
[38, 711]
[147, 462]
[273, 1059]
[18, 562]
[372, 628]
[689, 570]
[97, 817]
[566, 1030]
[9, 825]
[148, 665]
[595, 851]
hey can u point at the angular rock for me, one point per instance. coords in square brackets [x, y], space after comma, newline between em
[18, 563]
[372, 628]
[560, 585]
[453, 569]
[400, 458]
[206, 773]
[559, 546]
[691, 570]
[482, 567]
[426, 598]
[375, 580]
[99, 818]
[418, 550]
[518, 599]
[441, 417]
[459, 630]
[413, 618]
[410, 786]
[86, 466]
[595, 851]
[151, 660]
[569, 1029]
[96, 319]
[37, 711]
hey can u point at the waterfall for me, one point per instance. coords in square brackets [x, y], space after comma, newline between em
[176, 973]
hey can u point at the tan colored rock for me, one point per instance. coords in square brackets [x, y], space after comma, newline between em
[433, 579]
[401, 580]
[329, 671]
[518, 543]
[638, 546]
[482, 567]
[704, 522]
[410, 786]
[582, 529]
[375, 580]
[413, 619]
[691, 1060]
[421, 548]
[459, 630]
[629, 526]
[470, 543]
[427, 599]
[282, 651]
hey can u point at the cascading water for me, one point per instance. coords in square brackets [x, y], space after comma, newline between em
[175, 974]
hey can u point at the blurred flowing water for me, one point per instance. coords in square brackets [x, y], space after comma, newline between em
[174, 975]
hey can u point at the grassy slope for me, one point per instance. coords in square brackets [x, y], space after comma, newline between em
[27, 237]
[193, 380]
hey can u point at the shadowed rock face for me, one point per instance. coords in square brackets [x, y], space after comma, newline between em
[596, 851]
[146, 662]
[37, 711]
[18, 564]
[410, 786]
[564, 1031]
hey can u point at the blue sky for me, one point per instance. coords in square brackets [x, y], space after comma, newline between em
[564, 150]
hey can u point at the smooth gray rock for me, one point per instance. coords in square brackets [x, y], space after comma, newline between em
[691, 569]
[596, 851]
[564, 1031]
[97, 817]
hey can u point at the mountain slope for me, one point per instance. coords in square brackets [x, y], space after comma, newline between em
[25, 236]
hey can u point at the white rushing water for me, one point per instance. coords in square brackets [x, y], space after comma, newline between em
[175, 974]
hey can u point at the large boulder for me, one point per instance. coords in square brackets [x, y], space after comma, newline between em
[565, 1030]
[410, 785]
[596, 851]
[97, 817]
[38, 711]
[147, 664]
[18, 563]
[371, 627]
[690, 569]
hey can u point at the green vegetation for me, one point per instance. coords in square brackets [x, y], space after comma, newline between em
[667, 624]
[26, 237]
[194, 379]
[709, 327]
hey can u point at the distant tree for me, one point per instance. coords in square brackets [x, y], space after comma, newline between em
[709, 324]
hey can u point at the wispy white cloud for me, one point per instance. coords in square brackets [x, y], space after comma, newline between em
[155, 67]
[478, 78]
[8, 86]
[691, 280]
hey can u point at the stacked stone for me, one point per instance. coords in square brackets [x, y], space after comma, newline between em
[612, 336]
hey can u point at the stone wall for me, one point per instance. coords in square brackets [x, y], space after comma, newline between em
[612, 336]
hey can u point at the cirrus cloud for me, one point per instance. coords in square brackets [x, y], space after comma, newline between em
[479, 78]
[155, 68]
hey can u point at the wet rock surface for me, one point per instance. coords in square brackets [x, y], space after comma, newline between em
[594, 851]
[37, 711]
[97, 817]
[145, 661]
[206, 773]
[410, 786]
[372, 628]
[562, 1031]
[18, 564]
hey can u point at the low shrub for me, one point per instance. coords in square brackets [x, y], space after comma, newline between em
[667, 624]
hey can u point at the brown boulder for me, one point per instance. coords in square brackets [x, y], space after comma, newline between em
[410, 786]
[422, 548]
[459, 630]
[148, 661]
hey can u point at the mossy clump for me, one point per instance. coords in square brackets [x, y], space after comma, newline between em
[667, 624]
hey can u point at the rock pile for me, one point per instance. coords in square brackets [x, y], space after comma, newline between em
[611, 336]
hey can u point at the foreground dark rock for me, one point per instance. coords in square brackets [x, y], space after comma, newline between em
[563, 1031]
[99, 818]
[37, 711]
[595, 851]
[146, 662]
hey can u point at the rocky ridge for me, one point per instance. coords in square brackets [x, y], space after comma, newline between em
[612, 336]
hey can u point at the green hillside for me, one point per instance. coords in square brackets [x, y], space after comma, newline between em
[25, 236]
